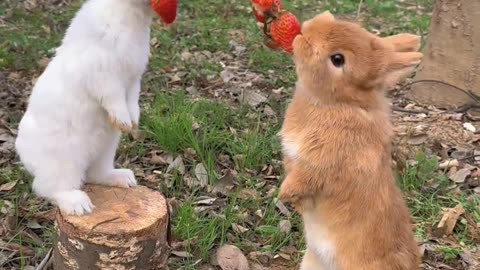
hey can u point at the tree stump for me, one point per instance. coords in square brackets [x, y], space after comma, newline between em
[451, 55]
[128, 229]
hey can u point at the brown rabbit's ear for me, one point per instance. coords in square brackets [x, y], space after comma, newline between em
[402, 65]
[325, 16]
[403, 42]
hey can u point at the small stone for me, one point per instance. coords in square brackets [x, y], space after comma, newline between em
[469, 127]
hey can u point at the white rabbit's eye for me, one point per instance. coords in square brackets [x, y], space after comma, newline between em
[338, 60]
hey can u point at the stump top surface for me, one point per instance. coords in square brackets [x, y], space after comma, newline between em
[120, 210]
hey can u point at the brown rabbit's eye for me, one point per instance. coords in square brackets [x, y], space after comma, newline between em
[337, 60]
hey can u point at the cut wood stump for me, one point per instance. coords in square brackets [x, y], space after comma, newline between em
[128, 229]
[451, 56]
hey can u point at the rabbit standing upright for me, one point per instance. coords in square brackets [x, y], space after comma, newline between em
[336, 140]
[86, 96]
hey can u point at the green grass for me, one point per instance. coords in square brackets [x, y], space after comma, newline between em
[211, 128]
[427, 192]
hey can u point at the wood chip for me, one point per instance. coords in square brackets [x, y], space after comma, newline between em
[449, 220]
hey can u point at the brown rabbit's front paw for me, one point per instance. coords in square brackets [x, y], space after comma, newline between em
[125, 127]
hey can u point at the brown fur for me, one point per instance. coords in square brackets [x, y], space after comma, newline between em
[340, 169]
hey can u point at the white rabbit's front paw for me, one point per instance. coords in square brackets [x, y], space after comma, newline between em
[134, 110]
[119, 178]
[124, 124]
[73, 202]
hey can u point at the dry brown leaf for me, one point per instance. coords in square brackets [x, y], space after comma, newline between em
[8, 186]
[418, 139]
[254, 98]
[201, 174]
[224, 185]
[461, 175]
[157, 159]
[182, 254]
[285, 226]
[231, 258]
[449, 220]
[283, 209]
[178, 165]
[239, 228]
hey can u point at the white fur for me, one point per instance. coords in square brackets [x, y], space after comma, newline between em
[290, 147]
[321, 252]
[64, 138]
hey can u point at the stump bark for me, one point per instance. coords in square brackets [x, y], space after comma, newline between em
[128, 229]
[451, 55]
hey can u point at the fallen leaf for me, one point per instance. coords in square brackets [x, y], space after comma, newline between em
[239, 228]
[178, 165]
[418, 139]
[8, 186]
[449, 220]
[152, 178]
[226, 76]
[269, 111]
[182, 254]
[283, 209]
[33, 224]
[206, 201]
[224, 185]
[7, 224]
[230, 257]
[459, 177]
[285, 226]
[157, 159]
[201, 174]
[264, 258]
[254, 98]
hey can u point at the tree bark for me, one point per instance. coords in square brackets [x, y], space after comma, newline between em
[128, 229]
[451, 55]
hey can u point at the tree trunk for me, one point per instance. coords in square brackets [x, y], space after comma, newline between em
[451, 55]
[128, 229]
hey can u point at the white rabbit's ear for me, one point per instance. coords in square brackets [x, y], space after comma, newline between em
[401, 65]
[403, 42]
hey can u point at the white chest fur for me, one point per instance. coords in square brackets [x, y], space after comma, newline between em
[318, 241]
[290, 146]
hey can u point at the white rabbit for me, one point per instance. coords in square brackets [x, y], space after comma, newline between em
[87, 94]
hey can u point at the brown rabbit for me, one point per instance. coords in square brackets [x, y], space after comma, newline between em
[336, 141]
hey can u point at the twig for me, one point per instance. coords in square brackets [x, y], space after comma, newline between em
[398, 109]
[359, 9]
[469, 93]
[43, 264]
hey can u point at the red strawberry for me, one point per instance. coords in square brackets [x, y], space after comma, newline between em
[166, 9]
[284, 30]
[270, 43]
[267, 5]
[259, 16]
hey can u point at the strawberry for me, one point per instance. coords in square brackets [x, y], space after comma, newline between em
[270, 43]
[284, 29]
[265, 6]
[166, 9]
[259, 16]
